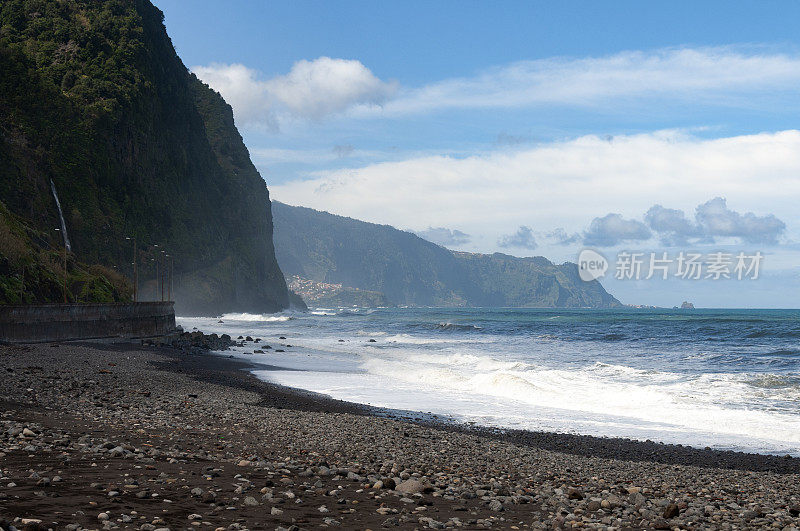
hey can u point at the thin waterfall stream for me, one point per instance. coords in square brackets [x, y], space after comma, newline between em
[61, 217]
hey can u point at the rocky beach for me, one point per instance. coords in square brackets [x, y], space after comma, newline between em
[154, 437]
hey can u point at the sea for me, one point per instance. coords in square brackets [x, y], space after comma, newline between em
[725, 379]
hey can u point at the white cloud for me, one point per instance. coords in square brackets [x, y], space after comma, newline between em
[613, 229]
[311, 90]
[563, 184]
[242, 90]
[716, 219]
[314, 89]
[673, 226]
[721, 75]
[713, 219]
[328, 86]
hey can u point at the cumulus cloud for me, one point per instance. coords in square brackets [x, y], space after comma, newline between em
[673, 226]
[311, 90]
[443, 236]
[327, 86]
[523, 238]
[713, 219]
[716, 219]
[722, 75]
[613, 229]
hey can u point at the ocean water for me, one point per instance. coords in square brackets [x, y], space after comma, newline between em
[720, 378]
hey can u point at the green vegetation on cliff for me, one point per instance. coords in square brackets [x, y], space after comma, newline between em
[323, 247]
[94, 98]
[534, 282]
[32, 271]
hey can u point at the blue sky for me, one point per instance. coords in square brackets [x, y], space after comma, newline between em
[422, 41]
[527, 127]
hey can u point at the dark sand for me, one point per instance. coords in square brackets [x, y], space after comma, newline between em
[155, 439]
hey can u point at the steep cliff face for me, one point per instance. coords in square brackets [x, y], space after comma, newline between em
[94, 98]
[534, 282]
[325, 248]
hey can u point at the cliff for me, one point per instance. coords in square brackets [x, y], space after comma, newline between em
[325, 248]
[94, 98]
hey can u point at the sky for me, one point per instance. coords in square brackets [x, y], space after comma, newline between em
[529, 128]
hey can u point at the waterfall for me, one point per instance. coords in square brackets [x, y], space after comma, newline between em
[61, 216]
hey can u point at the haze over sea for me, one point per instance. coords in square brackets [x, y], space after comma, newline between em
[719, 378]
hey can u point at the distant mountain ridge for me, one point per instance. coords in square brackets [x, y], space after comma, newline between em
[409, 270]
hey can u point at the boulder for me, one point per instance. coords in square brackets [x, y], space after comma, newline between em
[410, 486]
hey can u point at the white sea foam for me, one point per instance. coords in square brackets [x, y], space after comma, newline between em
[531, 382]
[428, 340]
[603, 400]
[253, 317]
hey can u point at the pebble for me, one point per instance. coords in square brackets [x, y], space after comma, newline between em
[250, 501]
[328, 467]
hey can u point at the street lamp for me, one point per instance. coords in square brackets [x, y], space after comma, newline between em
[135, 271]
[155, 295]
[163, 273]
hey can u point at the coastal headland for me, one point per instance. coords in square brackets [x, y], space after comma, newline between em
[102, 436]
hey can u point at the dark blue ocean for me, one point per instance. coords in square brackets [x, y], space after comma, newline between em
[718, 378]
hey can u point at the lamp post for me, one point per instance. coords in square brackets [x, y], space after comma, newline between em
[65, 269]
[135, 272]
[155, 295]
[163, 273]
[158, 277]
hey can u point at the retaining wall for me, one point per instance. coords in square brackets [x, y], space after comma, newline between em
[61, 322]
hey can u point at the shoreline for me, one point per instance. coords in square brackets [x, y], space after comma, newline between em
[571, 381]
[104, 436]
[575, 444]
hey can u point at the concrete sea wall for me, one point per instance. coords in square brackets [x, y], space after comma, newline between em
[60, 322]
